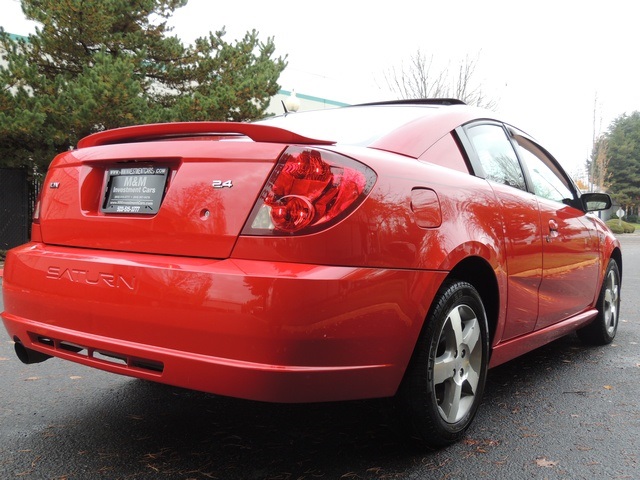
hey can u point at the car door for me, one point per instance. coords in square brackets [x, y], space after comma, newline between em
[570, 253]
[493, 157]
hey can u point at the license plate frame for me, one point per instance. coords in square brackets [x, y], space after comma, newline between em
[134, 190]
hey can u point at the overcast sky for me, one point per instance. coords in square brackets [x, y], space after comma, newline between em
[543, 61]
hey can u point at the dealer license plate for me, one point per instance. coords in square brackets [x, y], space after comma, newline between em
[134, 190]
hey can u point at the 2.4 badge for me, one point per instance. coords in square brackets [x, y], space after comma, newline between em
[222, 184]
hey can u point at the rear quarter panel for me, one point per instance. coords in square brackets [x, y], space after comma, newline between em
[383, 232]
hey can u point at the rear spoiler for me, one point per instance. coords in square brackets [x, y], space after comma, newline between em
[159, 131]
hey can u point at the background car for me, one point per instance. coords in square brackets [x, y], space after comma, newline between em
[384, 250]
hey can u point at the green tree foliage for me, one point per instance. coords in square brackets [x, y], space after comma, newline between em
[623, 152]
[100, 64]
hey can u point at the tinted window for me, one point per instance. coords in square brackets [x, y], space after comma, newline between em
[496, 155]
[548, 181]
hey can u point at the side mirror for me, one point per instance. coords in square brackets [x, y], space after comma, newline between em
[592, 202]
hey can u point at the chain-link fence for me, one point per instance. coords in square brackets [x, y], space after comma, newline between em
[18, 196]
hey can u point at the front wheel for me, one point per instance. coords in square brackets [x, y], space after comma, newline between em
[444, 382]
[604, 327]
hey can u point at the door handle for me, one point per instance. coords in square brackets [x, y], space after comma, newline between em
[553, 230]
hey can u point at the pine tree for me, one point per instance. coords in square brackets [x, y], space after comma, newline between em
[623, 151]
[99, 64]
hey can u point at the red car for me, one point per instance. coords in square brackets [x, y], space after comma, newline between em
[384, 250]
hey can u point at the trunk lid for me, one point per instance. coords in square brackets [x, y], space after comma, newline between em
[174, 189]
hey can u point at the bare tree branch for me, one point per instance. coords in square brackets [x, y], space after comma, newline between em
[418, 80]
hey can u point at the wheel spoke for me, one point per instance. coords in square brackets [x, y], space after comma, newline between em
[608, 296]
[473, 378]
[455, 321]
[443, 368]
[471, 334]
[451, 403]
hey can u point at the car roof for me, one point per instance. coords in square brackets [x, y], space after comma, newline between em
[407, 127]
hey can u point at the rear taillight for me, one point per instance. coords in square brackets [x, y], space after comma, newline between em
[308, 190]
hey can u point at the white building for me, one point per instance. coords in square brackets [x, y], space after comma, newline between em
[14, 38]
[299, 102]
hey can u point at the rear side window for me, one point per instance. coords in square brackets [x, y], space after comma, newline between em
[496, 155]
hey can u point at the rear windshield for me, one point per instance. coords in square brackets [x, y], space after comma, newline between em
[359, 125]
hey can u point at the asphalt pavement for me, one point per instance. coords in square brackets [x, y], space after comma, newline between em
[565, 411]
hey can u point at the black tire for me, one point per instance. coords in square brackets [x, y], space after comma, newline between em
[443, 385]
[603, 329]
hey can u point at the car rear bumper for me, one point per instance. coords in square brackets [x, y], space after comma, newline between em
[258, 330]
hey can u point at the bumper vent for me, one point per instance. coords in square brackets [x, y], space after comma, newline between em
[99, 356]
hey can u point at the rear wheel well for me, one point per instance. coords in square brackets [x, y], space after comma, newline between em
[479, 273]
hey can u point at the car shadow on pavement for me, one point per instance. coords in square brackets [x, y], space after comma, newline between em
[157, 429]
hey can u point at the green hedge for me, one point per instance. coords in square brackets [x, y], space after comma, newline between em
[617, 226]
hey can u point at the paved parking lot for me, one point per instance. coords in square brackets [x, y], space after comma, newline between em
[564, 411]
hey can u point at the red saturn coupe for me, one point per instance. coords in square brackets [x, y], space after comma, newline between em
[397, 249]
